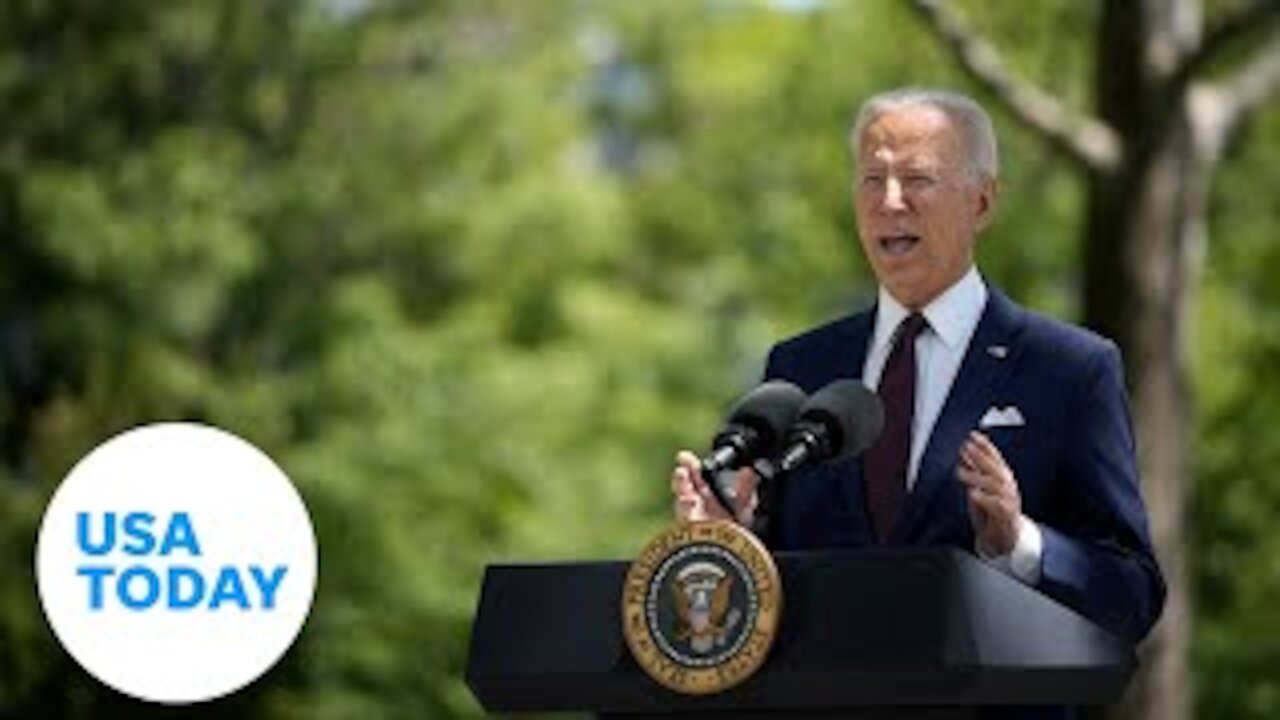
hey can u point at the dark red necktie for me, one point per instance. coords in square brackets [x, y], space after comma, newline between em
[885, 464]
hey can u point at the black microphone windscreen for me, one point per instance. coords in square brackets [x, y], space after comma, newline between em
[848, 408]
[769, 410]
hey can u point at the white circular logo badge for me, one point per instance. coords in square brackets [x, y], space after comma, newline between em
[176, 563]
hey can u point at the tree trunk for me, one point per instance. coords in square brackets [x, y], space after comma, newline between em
[1145, 234]
[1157, 221]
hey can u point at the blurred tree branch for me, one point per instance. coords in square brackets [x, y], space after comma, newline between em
[1252, 84]
[1085, 139]
[1227, 33]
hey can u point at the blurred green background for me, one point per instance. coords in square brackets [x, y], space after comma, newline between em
[473, 271]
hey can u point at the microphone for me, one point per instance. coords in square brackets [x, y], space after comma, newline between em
[837, 422]
[756, 427]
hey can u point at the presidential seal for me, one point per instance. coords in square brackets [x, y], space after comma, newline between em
[700, 606]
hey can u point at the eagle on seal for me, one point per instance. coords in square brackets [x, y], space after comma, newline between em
[703, 618]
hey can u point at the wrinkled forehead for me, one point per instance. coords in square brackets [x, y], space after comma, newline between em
[917, 134]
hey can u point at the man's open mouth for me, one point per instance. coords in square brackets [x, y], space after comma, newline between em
[898, 244]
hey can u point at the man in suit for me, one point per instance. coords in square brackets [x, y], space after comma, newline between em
[1007, 433]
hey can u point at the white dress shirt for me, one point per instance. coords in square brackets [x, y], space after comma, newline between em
[953, 317]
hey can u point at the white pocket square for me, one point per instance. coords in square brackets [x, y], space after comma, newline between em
[1009, 416]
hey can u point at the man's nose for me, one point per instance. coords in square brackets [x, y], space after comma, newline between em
[893, 198]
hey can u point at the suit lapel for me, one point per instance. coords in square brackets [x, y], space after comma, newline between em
[991, 354]
[855, 343]
[859, 335]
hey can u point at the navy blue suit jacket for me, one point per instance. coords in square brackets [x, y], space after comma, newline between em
[1073, 459]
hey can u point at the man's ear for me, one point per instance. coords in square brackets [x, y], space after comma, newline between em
[988, 192]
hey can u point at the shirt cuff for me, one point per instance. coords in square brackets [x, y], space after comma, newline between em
[1023, 562]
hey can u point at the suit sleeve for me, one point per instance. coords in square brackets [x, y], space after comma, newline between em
[1097, 556]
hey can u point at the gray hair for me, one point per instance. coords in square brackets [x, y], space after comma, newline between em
[974, 122]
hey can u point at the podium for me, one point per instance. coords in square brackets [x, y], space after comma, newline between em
[875, 633]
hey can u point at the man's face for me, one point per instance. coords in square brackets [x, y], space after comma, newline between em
[919, 209]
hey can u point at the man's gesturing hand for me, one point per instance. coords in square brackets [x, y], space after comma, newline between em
[994, 502]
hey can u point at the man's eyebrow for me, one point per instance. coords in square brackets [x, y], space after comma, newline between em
[918, 165]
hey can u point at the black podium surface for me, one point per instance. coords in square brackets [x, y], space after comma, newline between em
[883, 628]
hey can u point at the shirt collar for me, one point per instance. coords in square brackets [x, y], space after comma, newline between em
[952, 315]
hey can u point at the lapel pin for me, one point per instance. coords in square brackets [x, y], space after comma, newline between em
[998, 352]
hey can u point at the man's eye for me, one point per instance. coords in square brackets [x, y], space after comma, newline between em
[872, 180]
[920, 180]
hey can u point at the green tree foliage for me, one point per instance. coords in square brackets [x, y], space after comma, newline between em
[472, 272]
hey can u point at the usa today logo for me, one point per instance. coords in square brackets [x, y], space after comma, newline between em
[176, 563]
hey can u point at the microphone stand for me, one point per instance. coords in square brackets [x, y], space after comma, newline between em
[766, 495]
